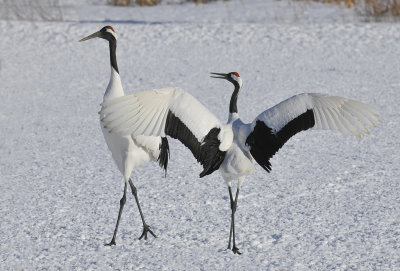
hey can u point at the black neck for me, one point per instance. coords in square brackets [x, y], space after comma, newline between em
[233, 103]
[113, 57]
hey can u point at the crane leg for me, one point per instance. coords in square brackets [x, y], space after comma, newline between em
[121, 207]
[146, 228]
[232, 230]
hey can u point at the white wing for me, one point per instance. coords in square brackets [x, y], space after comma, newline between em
[173, 112]
[330, 113]
[145, 112]
[272, 128]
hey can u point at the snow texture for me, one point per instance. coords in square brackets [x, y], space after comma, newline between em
[331, 202]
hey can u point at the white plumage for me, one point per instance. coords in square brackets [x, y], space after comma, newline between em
[127, 151]
[232, 147]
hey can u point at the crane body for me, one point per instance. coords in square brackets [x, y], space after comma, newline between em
[128, 152]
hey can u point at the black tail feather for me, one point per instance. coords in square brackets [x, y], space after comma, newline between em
[164, 154]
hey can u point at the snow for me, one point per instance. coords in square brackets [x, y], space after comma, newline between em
[330, 202]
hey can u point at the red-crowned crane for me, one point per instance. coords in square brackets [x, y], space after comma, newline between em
[128, 151]
[232, 147]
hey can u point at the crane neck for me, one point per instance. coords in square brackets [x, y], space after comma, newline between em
[114, 88]
[113, 57]
[234, 97]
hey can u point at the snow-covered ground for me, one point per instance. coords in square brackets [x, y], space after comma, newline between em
[330, 203]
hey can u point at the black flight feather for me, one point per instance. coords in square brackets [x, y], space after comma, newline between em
[264, 142]
[206, 152]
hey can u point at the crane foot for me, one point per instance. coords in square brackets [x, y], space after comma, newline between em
[236, 250]
[112, 243]
[146, 229]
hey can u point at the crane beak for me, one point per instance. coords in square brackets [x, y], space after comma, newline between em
[94, 35]
[219, 75]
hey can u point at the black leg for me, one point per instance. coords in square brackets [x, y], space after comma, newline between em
[121, 207]
[146, 228]
[232, 230]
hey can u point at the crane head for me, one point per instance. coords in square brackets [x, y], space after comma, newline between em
[232, 77]
[107, 33]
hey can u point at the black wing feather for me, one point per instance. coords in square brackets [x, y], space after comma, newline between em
[206, 152]
[264, 142]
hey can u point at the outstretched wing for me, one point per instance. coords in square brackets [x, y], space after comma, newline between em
[173, 112]
[272, 128]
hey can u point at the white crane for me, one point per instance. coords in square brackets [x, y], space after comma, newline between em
[232, 147]
[128, 151]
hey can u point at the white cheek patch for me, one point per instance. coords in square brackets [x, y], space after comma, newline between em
[112, 33]
[237, 79]
[240, 81]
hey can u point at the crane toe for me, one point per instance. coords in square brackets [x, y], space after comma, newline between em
[112, 243]
[146, 229]
[236, 251]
